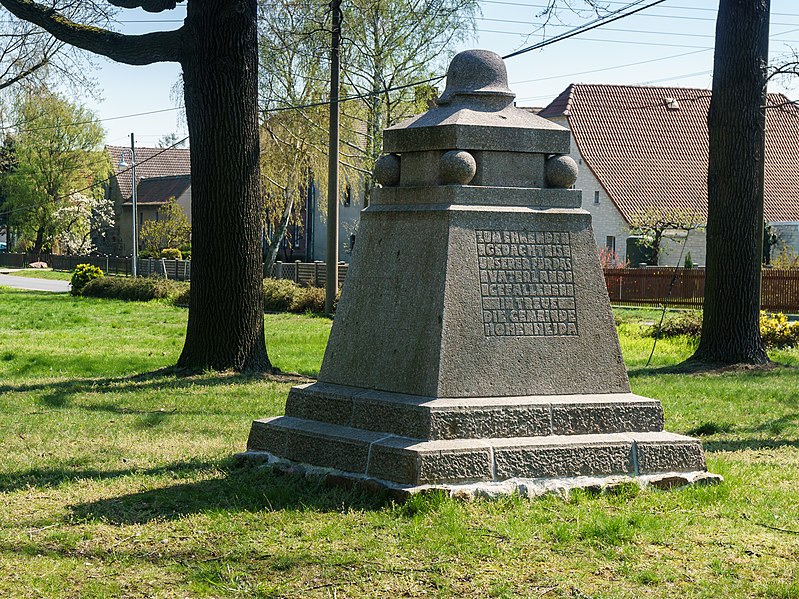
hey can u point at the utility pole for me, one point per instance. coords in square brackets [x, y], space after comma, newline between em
[331, 279]
[123, 164]
[134, 266]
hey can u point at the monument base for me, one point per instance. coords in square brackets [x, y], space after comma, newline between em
[413, 442]
[525, 487]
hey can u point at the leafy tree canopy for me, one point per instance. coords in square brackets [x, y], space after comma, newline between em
[57, 153]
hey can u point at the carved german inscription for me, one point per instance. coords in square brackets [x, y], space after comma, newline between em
[526, 283]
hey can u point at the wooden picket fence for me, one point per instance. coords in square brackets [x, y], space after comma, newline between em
[685, 287]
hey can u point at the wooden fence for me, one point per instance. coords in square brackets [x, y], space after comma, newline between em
[685, 287]
[307, 273]
[681, 287]
[179, 270]
[303, 273]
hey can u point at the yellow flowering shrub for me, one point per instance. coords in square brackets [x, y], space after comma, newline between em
[777, 331]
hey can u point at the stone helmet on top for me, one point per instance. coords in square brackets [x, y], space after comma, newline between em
[476, 73]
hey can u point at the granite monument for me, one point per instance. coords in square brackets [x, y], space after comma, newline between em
[474, 348]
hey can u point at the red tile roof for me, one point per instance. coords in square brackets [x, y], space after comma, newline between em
[648, 155]
[157, 190]
[150, 162]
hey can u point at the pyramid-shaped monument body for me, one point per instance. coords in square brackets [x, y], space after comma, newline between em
[474, 344]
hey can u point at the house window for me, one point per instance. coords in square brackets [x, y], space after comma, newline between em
[347, 195]
[610, 242]
[295, 236]
[596, 197]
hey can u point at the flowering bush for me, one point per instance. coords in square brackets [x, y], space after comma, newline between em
[777, 331]
[608, 258]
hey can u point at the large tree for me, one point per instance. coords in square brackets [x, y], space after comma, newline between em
[736, 127]
[217, 49]
[293, 72]
[58, 151]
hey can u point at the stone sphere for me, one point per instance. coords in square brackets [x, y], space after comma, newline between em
[457, 167]
[476, 72]
[561, 171]
[387, 170]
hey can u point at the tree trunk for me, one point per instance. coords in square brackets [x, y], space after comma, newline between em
[38, 243]
[226, 311]
[277, 237]
[736, 126]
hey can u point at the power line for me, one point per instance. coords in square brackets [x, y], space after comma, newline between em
[615, 16]
[89, 122]
[621, 66]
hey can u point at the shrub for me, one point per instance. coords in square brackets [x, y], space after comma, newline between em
[684, 323]
[172, 254]
[140, 289]
[689, 263]
[786, 258]
[608, 258]
[777, 331]
[308, 299]
[82, 275]
[279, 294]
[182, 298]
[282, 295]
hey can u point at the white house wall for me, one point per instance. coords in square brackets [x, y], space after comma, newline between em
[348, 217]
[671, 248]
[605, 218]
[788, 233]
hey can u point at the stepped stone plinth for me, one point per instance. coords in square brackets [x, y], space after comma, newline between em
[474, 347]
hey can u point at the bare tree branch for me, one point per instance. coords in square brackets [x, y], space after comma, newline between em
[147, 5]
[161, 46]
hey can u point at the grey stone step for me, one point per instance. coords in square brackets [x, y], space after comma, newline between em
[414, 462]
[474, 418]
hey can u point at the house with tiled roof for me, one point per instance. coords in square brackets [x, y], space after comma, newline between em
[643, 149]
[161, 174]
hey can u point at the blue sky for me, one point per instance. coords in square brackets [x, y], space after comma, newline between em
[669, 45]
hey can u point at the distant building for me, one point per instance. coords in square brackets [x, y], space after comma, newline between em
[646, 148]
[165, 173]
[161, 174]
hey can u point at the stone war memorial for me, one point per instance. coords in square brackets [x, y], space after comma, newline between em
[474, 348]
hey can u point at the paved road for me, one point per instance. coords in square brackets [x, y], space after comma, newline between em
[34, 284]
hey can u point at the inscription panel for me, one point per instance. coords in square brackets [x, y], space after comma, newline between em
[526, 283]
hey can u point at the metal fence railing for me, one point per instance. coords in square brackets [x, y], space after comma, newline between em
[302, 273]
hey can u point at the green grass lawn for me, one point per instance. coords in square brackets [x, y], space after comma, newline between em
[116, 480]
[39, 273]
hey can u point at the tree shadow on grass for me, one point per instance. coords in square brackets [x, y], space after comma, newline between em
[693, 367]
[720, 445]
[57, 394]
[53, 477]
[244, 488]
